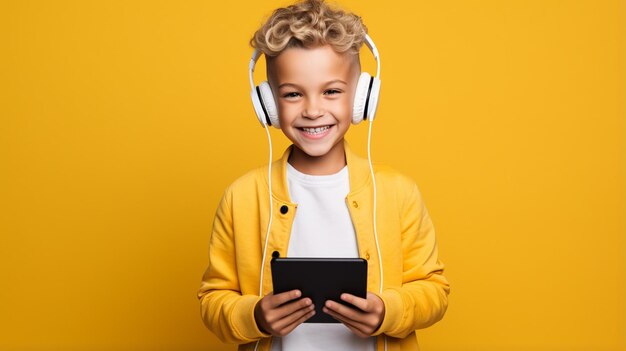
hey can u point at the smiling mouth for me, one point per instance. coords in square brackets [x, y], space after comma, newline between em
[316, 130]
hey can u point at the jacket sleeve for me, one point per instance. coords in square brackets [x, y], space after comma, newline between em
[225, 311]
[422, 299]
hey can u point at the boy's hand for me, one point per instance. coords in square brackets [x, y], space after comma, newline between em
[276, 315]
[362, 321]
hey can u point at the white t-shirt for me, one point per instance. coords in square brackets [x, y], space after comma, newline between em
[322, 227]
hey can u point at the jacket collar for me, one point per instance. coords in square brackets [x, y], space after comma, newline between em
[358, 170]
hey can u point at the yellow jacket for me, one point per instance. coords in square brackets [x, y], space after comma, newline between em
[415, 291]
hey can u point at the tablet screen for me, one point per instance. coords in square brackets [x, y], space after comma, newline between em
[320, 279]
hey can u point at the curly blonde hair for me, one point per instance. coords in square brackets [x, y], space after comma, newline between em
[310, 23]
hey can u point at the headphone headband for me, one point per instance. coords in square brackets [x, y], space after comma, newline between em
[370, 44]
[255, 57]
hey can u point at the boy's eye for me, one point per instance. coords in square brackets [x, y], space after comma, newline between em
[292, 94]
[332, 92]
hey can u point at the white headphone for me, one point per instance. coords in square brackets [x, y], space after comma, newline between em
[365, 97]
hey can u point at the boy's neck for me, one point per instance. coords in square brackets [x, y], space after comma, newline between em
[330, 163]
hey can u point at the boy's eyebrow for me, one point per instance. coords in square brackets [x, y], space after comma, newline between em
[327, 83]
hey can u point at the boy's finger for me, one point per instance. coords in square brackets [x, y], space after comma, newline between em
[358, 302]
[294, 317]
[293, 307]
[370, 304]
[356, 327]
[344, 310]
[279, 299]
[356, 331]
[289, 328]
[340, 317]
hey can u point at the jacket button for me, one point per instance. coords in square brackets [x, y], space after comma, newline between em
[367, 256]
[355, 204]
[284, 209]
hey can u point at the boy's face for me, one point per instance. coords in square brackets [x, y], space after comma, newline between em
[314, 91]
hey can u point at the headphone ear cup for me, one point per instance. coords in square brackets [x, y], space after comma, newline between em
[258, 107]
[267, 98]
[374, 93]
[360, 98]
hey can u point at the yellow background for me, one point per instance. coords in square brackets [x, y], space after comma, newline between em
[123, 121]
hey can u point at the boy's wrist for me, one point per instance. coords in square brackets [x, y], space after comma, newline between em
[257, 317]
[386, 320]
[243, 319]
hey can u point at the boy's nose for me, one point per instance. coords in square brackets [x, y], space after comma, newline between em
[312, 110]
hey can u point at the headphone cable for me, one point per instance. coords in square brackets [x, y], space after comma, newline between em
[269, 223]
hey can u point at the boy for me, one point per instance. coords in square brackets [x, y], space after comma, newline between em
[322, 201]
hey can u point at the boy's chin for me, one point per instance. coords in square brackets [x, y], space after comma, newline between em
[316, 151]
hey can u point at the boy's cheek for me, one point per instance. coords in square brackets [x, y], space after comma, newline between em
[337, 108]
[285, 110]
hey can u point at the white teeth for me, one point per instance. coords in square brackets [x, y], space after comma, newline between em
[316, 130]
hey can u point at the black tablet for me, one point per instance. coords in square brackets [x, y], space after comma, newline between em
[320, 279]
